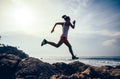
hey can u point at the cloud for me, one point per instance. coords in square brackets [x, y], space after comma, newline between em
[106, 37]
[110, 33]
[114, 38]
[109, 42]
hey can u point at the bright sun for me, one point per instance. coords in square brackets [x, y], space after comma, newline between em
[23, 17]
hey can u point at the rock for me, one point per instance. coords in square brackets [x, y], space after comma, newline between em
[73, 76]
[8, 65]
[13, 50]
[107, 67]
[14, 67]
[69, 69]
[33, 68]
[63, 68]
[115, 73]
[117, 67]
[78, 66]
[53, 77]
[101, 72]
[90, 72]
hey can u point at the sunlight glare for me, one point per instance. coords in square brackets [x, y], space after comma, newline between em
[23, 16]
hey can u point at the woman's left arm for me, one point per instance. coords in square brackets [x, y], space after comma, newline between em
[73, 25]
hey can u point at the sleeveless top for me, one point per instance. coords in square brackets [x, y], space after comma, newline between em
[65, 30]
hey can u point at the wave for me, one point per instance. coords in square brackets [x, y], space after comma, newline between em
[110, 58]
[91, 60]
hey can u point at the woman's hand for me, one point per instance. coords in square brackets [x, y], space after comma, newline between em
[74, 22]
[52, 30]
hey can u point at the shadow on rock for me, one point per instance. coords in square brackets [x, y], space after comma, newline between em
[33, 68]
[8, 65]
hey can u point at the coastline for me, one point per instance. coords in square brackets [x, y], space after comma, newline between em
[91, 60]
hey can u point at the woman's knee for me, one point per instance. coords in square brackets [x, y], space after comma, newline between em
[57, 46]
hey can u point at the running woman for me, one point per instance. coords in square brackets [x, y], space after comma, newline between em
[63, 38]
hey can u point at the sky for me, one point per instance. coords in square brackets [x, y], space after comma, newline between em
[25, 23]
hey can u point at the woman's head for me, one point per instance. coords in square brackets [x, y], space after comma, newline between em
[66, 18]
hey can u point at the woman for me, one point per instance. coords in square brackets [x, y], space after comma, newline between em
[63, 38]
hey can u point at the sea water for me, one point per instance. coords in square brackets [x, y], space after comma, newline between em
[91, 60]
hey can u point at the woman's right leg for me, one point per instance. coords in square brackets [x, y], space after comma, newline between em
[54, 44]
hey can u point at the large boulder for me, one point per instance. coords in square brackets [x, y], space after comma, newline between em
[33, 68]
[69, 69]
[8, 65]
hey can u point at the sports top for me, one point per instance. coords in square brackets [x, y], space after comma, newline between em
[65, 30]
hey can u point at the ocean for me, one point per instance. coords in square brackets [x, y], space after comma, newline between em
[91, 60]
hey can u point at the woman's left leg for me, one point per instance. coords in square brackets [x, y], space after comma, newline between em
[70, 48]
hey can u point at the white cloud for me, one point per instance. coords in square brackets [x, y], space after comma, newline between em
[109, 38]
[109, 42]
[113, 38]
[110, 33]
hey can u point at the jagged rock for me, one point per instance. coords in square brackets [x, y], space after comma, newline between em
[78, 66]
[69, 69]
[14, 67]
[32, 68]
[13, 50]
[73, 76]
[63, 68]
[8, 65]
[115, 73]
[117, 67]
[101, 72]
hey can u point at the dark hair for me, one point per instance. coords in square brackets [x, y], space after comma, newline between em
[65, 17]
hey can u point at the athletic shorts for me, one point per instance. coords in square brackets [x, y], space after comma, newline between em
[63, 38]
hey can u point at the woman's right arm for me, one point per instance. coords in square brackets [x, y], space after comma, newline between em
[58, 23]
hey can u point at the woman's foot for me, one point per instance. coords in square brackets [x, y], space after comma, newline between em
[44, 42]
[74, 57]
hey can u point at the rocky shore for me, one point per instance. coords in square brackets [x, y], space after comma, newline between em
[14, 67]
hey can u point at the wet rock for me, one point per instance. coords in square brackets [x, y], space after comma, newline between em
[115, 73]
[33, 68]
[8, 65]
